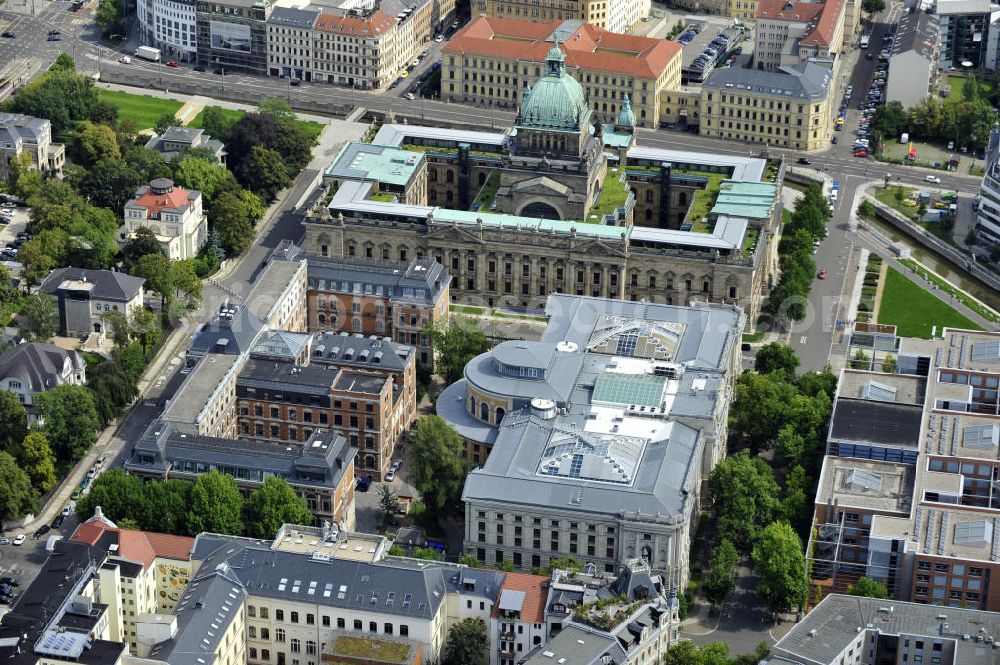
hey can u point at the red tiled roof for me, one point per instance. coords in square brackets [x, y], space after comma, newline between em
[822, 17]
[589, 47]
[536, 593]
[176, 199]
[139, 546]
[375, 24]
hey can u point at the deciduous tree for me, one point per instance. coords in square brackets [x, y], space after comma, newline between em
[96, 142]
[17, 496]
[780, 562]
[216, 505]
[745, 495]
[13, 423]
[39, 462]
[455, 344]
[438, 470]
[119, 495]
[869, 588]
[264, 173]
[776, 357]
[468, 643]
[41, 317]
[272, 504]
[387, 500]
[71, 420]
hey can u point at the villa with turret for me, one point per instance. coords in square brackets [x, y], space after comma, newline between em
[564, 201]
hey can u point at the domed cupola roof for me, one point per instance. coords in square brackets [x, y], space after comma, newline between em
[557, 100]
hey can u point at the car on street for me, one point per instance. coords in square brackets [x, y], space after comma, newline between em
[804, 160]
[834, 140]
[822, 274]
[54, 32]
[42, 530]
[391, 476]
[101, 460]
[9, 34]
[439, 39]
[199, 68]
[6, 211]
[19, 539]
[410, 96]
[4, 541]
[363, 484]
[295, 83]
[125, 60]
[932, 178]
[172, 63]
[6, 600]
[67, 510]
[77, 493]
[58, 521]
[415, 62]
[10, 581]
[54, 38]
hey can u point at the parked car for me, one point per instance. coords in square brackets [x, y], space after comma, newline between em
[391, 476]
[125, 60]
[19, 539]
[42, 530]
[932, 178]
[66, 510]
[4, 541]
[861, 153]
[172, 63]
[58, 521]
[9, 34]
[199, 68]
[6, 211]
[804, 160]
[54, 38]
[10, 581]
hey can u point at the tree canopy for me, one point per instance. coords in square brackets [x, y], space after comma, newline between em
[39, 462]
[468, 643]
[869, 588]
[216, 505]
[745, 496]
[17, 496]
[71, 420]
[455, 343]
[437, 468]
[13, 423]
[272, 504]
[779, 560]
[41, 316]
[776, 357]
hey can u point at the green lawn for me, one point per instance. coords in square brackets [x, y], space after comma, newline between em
[231, 116]
[488, 191]
[380, 650]
[613, 195]
[956, 83]
[888, 197]
[915, 311]
[384, 197]
[145, 110]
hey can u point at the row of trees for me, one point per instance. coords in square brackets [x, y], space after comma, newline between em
[789, 298]
[212, 503]
[966, 119]
[773, 409]
[716, 653]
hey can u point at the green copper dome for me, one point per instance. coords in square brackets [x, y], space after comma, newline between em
[557, 100]
[626, 117]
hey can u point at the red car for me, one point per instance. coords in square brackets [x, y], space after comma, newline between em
[172, 63]
[861, 153]
[822, 274]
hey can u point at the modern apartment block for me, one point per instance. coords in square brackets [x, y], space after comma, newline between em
[618, 16]
[964, 27]
[599, 436]
[988, 207]
[495, 61]
[906, 491]
[848, 629]
[789, 33]
[320, 471]
[506, 215]
[22, 134]
[171, 26]
[232, 34]
[368, 292]
[174, 215]
[788, 108]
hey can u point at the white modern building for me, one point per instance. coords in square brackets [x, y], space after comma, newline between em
[169, 25]
[988, 216]
[173, 214]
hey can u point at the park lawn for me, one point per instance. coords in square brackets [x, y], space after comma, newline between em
[915, 311]
[231, 117]
[145, 110]
[957, 82]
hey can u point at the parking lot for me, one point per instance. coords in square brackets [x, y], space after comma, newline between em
[865, 94]
[9, 240]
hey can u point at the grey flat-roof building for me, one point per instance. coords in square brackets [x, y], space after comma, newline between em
[607, 426]
[850, 629]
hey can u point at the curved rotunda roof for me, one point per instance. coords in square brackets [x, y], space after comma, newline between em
[557, 101]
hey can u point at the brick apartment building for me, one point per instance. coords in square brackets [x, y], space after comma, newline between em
[283, 402]
[364, 292]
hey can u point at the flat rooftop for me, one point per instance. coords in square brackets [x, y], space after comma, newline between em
[898, 388]
[381, 163]
[875, 422]
[194, 393]
[882, 486]
[833, 625]
[269, 285]
[348, 546]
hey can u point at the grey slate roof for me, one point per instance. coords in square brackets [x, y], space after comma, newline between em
[561, 371]
[576, 646]
[420, 280]
[325, 457]
[270, 374]
[803, 81]
[24, 127]
[510, 475]
[38, 366]
[356, 350]
[261, 571]
[280, 345]
[292, 17]
[211, 598]
[837, 619]
[450, 405]
[108, 284]
[232, 336]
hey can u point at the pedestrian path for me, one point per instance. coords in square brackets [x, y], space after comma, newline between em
[189, 112]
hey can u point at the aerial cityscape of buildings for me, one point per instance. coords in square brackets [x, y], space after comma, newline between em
[531, 319]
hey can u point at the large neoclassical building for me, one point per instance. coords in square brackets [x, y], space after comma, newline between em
[564, 201]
